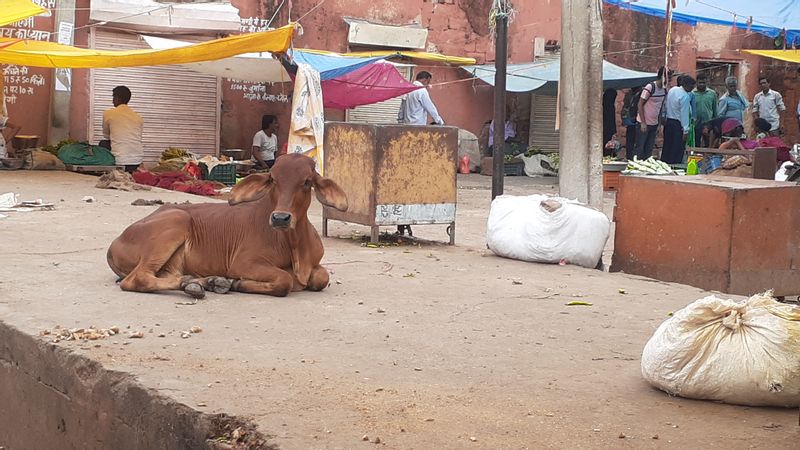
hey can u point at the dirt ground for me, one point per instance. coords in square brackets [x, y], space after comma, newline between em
[422, 346]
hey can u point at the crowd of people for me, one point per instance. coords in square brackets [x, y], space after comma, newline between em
[692, 114]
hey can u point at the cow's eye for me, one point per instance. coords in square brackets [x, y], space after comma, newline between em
[307, 184]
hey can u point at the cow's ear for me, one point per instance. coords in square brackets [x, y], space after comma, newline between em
[329, 193]
[253, 187]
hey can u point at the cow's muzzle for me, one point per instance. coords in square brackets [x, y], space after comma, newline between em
[280, 220]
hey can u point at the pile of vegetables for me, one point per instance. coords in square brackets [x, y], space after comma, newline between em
[53, 149]
[649, 166]
[174, 153]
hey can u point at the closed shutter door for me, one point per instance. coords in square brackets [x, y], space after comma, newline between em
[543, 133]
[381, 112]
[180, 107]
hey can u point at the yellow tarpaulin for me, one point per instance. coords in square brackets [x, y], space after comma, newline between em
[50, 54]
[783, 55]
[15, 10]
[454, 60]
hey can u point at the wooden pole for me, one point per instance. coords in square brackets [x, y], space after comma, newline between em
[500, 65]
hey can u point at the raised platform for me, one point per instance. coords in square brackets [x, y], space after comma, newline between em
[733, 235]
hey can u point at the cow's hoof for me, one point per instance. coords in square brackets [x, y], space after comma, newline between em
[195, 290]
[220, 285]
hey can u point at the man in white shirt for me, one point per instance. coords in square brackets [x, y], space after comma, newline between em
[679, 115]
[414, 111]
[265, 142]
[123, 127]
[417, 105]
[768, 105]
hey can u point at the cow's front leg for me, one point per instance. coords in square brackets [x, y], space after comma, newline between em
[268, 281]
[319, 279]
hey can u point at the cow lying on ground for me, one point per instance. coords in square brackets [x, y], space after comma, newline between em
[261, 242]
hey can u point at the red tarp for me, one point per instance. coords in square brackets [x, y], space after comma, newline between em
[373, 83]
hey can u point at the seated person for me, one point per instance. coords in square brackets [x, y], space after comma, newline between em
[7, 132]
[265, 142]
[711, 132]
[123, 128]
[510, 132]
[734, 129]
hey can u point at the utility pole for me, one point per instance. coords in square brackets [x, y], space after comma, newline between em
[581, 114]
[500, 65]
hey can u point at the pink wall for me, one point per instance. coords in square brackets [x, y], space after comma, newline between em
[28, 89]
[456, 27]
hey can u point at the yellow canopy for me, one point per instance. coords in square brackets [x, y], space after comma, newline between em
[52, 55]
[16, 10]
[783, 55]
[454, 60]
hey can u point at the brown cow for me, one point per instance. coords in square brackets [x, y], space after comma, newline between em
[222, 247]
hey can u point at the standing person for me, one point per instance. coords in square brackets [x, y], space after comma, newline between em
[628, 114]
[609, 117]
[7, 129]
[705, 103]
[414, 110]
[265, 142]
[798, 114]
[768, 105]
[732, 104]
[679, 116]
[123, 127]
[417, 104]
[650, 104]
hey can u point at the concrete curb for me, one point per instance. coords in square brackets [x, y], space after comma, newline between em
[55, 398]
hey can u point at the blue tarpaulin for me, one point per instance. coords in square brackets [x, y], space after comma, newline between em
[543, 77]
[332, 66]
[767, 17]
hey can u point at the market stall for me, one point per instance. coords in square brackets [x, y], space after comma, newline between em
[393, 174]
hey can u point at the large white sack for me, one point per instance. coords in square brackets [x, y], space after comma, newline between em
[746, 353]
[540, 228]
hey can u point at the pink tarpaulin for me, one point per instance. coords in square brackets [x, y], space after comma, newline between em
[370, 84]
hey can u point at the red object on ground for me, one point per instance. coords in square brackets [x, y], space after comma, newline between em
[177, 181]
[194, 170]
[464, 166]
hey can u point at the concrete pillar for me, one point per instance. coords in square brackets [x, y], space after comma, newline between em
[580, 108]
[60, 99]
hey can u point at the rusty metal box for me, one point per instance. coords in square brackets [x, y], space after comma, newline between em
[393, 174]
[733, 235]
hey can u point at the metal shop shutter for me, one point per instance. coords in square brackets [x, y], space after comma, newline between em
[180, 107]
[381, 112]
[543, 133]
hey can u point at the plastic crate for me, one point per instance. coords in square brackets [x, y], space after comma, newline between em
[221, 173]
[514, 169]
[610, 180]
